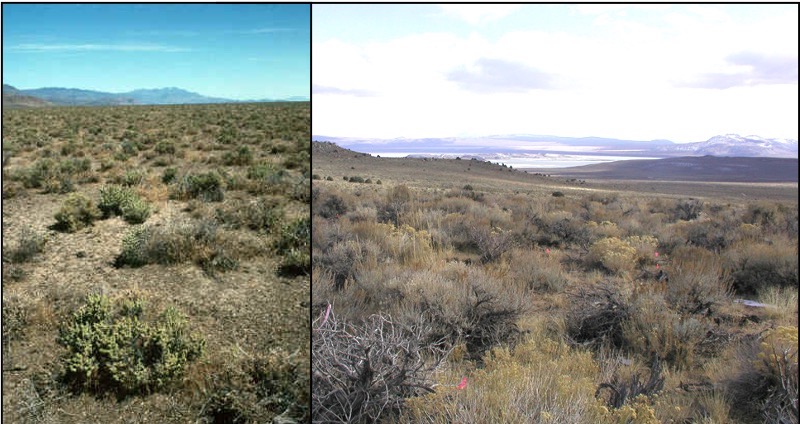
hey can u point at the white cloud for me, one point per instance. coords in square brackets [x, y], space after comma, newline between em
[621, 77]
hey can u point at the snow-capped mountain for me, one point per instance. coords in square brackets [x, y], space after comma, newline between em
[521, 145]
[736, 145]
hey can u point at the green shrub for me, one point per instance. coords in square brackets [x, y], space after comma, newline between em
[265, 171]
[297, 160]
[112, 198]
[206, 186]
[653, 328]
[295, 235]
[113, 348]
[170, 244]
[165, 147]
[259, 215]
[169, 175]
[135, 211]
[132, 178]
[242, 156]
[134, 245]
[77, 211]
[116, 200]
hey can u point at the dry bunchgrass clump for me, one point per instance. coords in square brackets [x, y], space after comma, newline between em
[782, 303]
[540, 380]
[537, 270]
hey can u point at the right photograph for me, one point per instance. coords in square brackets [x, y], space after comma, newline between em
[554, 213]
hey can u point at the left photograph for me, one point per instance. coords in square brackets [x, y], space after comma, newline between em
[156, 213]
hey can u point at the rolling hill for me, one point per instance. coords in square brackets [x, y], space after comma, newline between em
[13, 99]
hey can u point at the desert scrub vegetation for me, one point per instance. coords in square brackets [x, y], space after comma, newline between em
[77, 212]
[122, 201]
[196, 208]
[112, 347]
[594, 306]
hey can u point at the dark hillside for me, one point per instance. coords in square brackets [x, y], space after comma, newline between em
[705, 168]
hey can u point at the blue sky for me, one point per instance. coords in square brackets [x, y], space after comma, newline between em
[679, 72]
[237, 51]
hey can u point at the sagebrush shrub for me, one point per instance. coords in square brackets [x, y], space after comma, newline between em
[113, 347]
[332, 207]
[29, 245]
[597, 314]
[43, 172]
[77, 211]
[364, 372]
[756, 266]
[698, 281]
[687, 209]
[654, 329]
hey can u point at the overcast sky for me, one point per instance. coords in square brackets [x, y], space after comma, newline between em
[679, 72]
[235, 51]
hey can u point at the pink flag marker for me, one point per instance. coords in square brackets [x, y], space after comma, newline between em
[547, 250]
[656, 254]
[657, 267]
[462, 384]
[325, 318]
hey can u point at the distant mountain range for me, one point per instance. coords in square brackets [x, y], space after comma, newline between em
[13, 98]
[57, 96]
[702, 168]
[522, 146]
